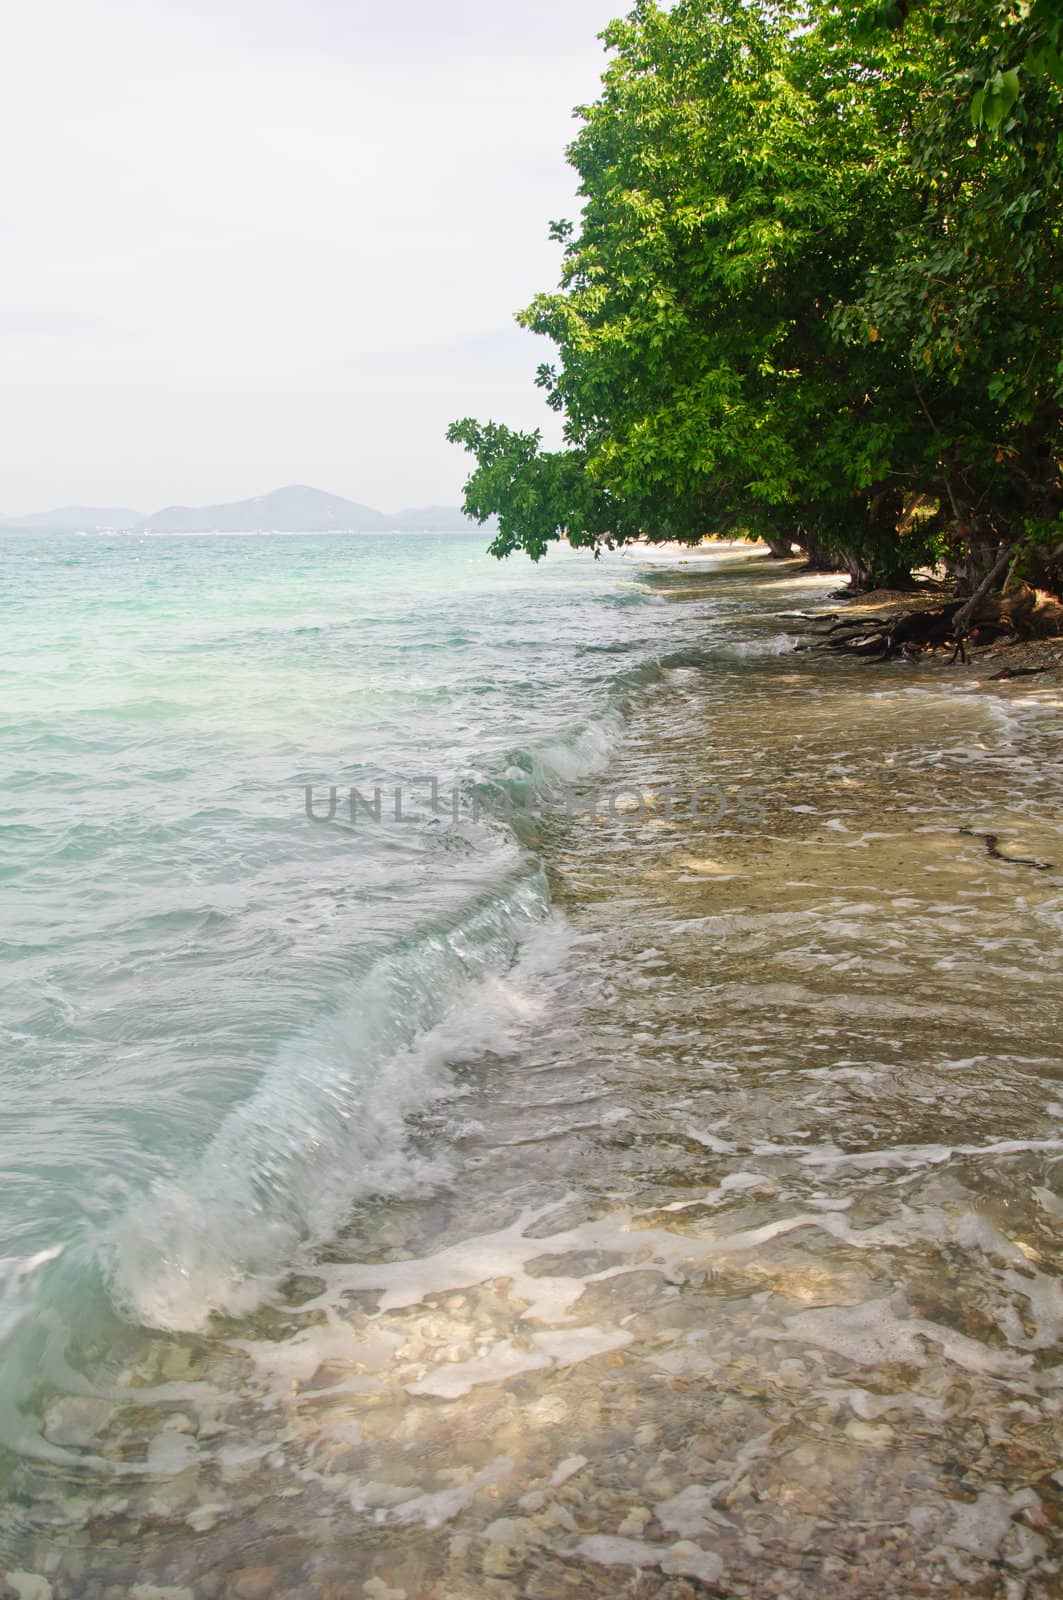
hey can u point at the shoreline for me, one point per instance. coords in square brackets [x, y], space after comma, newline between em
[745, 1279]
[1023, 657]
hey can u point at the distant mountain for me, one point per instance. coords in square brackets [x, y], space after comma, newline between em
[76, 519]
[295, 509]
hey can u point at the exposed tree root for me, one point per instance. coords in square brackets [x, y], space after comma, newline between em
[1026, 614]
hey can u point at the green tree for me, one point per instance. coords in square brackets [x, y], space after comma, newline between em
[806, 298]
[969, 293]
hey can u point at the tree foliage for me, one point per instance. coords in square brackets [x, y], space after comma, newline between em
[813, 293]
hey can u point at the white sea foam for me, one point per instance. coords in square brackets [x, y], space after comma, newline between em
[874, 1334]
[922, 1155]
[772, 644]
[328, 1123]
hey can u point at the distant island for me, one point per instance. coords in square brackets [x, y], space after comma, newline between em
[295, 509]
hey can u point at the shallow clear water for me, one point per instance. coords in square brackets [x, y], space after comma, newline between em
[205, 988]
[654, 1204]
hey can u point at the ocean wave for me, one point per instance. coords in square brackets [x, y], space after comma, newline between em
[329, 1123]
[772, 644]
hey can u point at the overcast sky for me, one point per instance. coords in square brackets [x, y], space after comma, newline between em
[246, 243]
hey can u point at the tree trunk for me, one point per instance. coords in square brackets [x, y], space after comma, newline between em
[961, 623]
[820, 557]
[981, 549]
[861, 575]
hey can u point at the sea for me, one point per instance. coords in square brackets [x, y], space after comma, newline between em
[512, 1071]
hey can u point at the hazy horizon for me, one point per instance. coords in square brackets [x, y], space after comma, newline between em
[250, 246]
[147, 512]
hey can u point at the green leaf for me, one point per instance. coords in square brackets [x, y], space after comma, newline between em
[1052, 63]
[756, 197]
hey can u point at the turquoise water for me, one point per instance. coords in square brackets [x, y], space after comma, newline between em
[210, 998]
[505, 1205]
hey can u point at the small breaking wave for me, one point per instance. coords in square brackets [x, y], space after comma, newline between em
[328, 1124]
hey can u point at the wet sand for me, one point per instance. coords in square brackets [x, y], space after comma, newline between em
[741, 1276]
